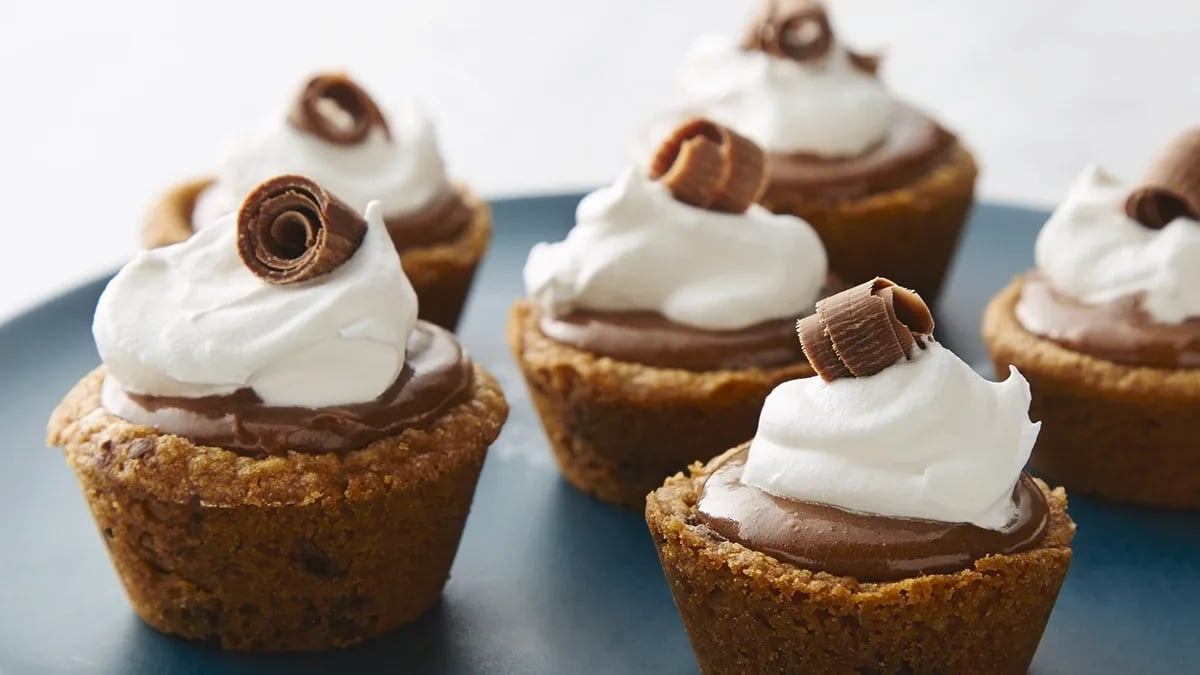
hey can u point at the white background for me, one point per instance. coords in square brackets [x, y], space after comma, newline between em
[107, 103]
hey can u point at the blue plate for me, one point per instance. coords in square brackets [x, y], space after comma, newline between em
[547, 580]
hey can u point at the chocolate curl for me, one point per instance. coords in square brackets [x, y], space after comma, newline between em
[794, 29]
[1171, 186]
[291, 230]
[707, 165]
[867, 63]
[334, 108]
[862, 330]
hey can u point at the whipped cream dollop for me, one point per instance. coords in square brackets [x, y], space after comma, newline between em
[1092, 251]
[635, 248]
[926, 438]
[828, 108]
[405, 172]
[192, 320]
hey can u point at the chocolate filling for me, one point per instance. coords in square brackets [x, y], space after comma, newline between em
[864, 546]
[651, 339]
[914, 146]
[1119, 331]
[437, 375]
[442, 220]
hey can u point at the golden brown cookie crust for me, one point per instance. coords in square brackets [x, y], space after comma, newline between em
[440, 273]
[169, 220]
[296, 552]
[618, 428]
[1121, 432]
[908, 235]
[745, 611]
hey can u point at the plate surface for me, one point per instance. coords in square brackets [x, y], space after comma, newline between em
[547, 580]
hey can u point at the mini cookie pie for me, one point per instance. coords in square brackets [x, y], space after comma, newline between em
[885, 186]
[336, 134]
[879, 520]
[279, 455]
[1107, 329]
[652, 334]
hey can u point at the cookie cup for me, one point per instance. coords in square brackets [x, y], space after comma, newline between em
[440, 273]
[908, 234]
[746, 612]
[1119, 432]
[618, 428]
[290, 552]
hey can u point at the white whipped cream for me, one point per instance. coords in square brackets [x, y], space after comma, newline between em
[926, 438]
[405, 172]
[191, 320]
[1092, 251]
[829, 108]
[635, 248]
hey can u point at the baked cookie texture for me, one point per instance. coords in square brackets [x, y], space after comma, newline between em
[746, 612]
[1114, 431]
[169, 220]
[908, 234]
[291, 552]
[617, 428]
[440, 273]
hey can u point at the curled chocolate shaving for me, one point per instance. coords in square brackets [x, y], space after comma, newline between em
[291, 230]
[862, 330]
[794, 29]
[867, 63]
[707, 165]
[334, 108]
[1171, 186]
